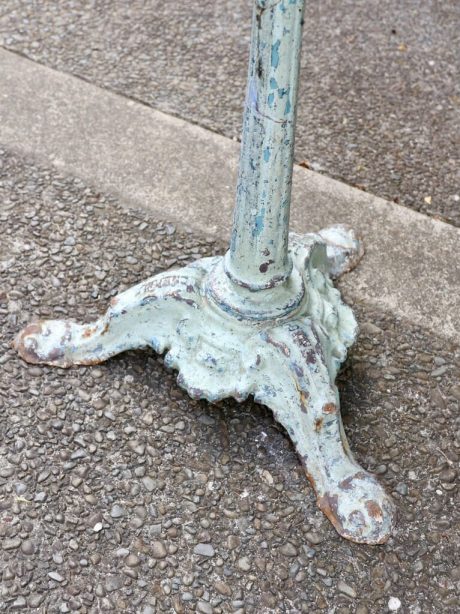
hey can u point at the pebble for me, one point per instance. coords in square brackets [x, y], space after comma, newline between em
[244, 563]
[113, 583]
[7, 574]
[439, 371]
[36, 599]
[148, 483]
[117, 511]
[223, 588]
[204, 607]
[28, 547]
[19, 603]
[137, 446]
[402, 489]
[288, 549]
[54, 575]
[394, 604]
[158, 550]
[346, 589]
[314, 538]
[448, 475]
[11, 544]
[204, 550]
[132, 560]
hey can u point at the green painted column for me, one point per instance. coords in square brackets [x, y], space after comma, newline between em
[258, 256]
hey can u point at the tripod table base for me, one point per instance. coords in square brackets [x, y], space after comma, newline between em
[226, 341]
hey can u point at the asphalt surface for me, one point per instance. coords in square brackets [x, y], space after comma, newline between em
[121, 494]
[379, 97]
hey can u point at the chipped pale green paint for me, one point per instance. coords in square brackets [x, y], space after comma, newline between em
[265, 320]
[268, 125]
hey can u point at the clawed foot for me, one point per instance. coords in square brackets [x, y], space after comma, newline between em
[298, 387]
[145, 315]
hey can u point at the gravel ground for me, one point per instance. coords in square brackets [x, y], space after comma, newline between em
[119, 493]
[379, 98]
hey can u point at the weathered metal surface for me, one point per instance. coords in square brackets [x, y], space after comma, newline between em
[265, 320]
[258, 250]
[288, 363]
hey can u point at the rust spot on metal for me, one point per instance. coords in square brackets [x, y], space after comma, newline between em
[312, 353]
[105, 329]
[264, 266]
[374, 510]
[303, 397]
[329, 505]
[89, 331]
[330, 408]
[347, 483]
[278, 345]
[319, 424]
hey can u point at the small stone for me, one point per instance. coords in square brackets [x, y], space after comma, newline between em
[132, 560]
[394, 604]
[99, 404]
[11, 544]
[158, 550]
[455, 392]
[402, 489]
[42, 476]
[54, 575]
[204, 607]
[35, 600]
[233, 541]
[6, 472]
[28, 547]
[368, 328]
[97, 527]
[7, 573]
[19, 603]
[204, 550]
[448, 475]
[455, 573]
[113, 583]
[137, 446]
[244, 564]
[100, 591]
[439, 371]
[117, 511]
[223, 588]
[288, 549]
[313, 538]
[346, 589]
[84, 396]
[148, 483]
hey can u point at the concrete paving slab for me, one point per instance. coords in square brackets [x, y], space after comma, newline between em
[379, 90]
[186, 173]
